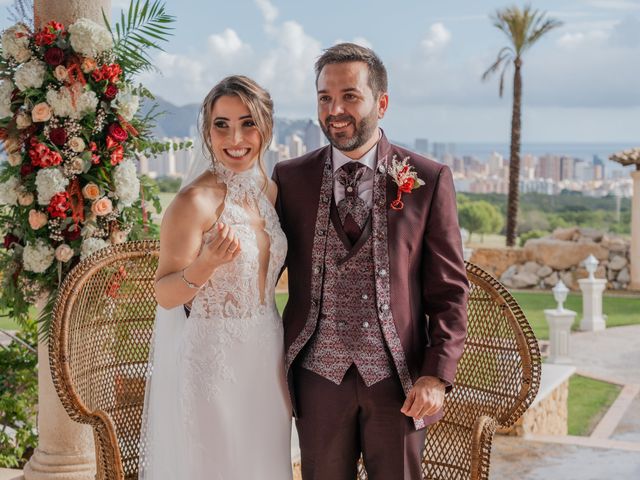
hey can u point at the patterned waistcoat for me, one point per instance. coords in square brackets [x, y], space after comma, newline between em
[348, 329]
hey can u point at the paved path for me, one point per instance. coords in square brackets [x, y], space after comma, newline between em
[613, 354]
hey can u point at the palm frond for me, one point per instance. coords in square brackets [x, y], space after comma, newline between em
[21, 11]
[503, 55]
[141, 29]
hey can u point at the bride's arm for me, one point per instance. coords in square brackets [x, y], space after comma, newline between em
[182, 267]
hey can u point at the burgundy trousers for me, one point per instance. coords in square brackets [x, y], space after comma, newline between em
[336, 423]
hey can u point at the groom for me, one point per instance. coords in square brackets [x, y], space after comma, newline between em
[376, 318]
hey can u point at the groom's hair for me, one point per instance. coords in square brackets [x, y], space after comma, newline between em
[350, 52]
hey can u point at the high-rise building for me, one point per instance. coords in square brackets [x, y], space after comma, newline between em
[549, 167]
[313, 136]
[598, 168]
[422, 146]
[566, 168]
[296, 146]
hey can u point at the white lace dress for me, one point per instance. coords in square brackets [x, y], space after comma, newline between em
[217, 406]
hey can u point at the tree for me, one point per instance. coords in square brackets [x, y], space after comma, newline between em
[480, 217]
[523, 29]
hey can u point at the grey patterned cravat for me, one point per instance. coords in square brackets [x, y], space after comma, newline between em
[352, 209]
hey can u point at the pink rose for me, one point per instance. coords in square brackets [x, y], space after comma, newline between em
[117, 236]
[64, 253]
[25, 199]
[37, 219]
[41, 112]
[102, 207]
[60, 72]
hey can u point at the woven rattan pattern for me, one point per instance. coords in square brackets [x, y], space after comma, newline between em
[100, 339]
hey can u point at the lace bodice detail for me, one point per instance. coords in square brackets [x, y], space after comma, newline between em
[234, 289]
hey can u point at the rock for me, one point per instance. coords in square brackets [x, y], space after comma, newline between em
[583, 240]
[611, 274]
[601, 272]
[564, 233]
[508, 274]
[551, 280]
[561, 254]
[616, 286]
[524, 280]
[530, 267]
[618, 262]
[592, 233]
[617, 245]
[544, 271]
[624, 276]
[497, 260]
[568, 280]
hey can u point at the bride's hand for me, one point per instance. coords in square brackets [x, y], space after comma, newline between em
[222, 248]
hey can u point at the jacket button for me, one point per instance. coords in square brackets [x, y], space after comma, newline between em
[365, 296]
[341, 324]
[384, 308]
[365, 325]
[383, 272]
[316, 270]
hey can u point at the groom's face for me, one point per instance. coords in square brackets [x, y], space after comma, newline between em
[348, 110]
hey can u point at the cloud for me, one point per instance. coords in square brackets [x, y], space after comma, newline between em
[227, 44]
[363, 42]
[615, 4]
[269, 11]
[436, 39]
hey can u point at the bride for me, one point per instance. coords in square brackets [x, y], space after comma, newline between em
[216, 405]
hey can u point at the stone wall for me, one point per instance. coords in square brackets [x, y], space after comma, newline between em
[548, 417]
[544, 261]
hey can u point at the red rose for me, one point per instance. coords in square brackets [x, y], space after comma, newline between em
[117, 132]
[59, 205]
[26, 169]
[54, 56]
[97, 75]
[407, 186]
[58, 136]
[110, 92]
[9, 240]
[55, 26]
[44, 38]
[71, 235]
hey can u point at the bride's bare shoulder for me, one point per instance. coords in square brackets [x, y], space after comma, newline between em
[198, 201]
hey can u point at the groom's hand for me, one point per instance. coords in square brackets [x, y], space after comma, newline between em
[425, 398]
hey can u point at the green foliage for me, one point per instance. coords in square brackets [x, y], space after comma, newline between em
[168, 184]
[480, 217]
[588, 401]
[144, 25]
[532, 234]
[18, 399]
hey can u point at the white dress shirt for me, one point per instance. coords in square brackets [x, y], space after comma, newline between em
[365, 188]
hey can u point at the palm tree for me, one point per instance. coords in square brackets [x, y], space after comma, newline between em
[523, 28]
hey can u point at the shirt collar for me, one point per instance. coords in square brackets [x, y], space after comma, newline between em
[368, 159]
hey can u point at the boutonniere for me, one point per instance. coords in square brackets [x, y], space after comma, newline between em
[405, 177]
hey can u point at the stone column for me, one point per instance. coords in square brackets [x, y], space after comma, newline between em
[592, 317]
[65, 448]
[635, 232]
[560, 321]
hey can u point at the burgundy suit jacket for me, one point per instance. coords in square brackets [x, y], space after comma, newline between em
[421, 280]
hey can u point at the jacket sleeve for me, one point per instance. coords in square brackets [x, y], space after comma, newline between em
[278, 206]
[445, 287]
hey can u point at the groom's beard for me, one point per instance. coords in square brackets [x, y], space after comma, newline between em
[361, 135]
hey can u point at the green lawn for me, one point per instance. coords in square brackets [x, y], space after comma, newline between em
[588, 401]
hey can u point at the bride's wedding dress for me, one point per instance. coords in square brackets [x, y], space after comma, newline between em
[216, 406]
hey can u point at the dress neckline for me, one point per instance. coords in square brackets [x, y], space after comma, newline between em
[239, 184]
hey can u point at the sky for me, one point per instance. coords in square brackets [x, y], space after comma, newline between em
[580, 81]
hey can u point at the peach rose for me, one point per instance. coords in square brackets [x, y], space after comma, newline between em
[91, 191]
[102, 207]
[64, 253]
[117, 236]
[76, 144]
[11, 145]
[41, 112]
[61, 73]
[37, 219]
[23, 120]
[88, 65]
[25, 198]
[14, 159]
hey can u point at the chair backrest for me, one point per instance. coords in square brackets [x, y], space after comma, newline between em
[497, 379]
[99, 348]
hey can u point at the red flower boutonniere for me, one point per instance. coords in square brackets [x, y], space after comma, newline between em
[405, 177]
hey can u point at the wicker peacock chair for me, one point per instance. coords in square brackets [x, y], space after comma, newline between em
[102, 329]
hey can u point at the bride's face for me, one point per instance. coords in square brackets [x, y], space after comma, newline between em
[235, 138]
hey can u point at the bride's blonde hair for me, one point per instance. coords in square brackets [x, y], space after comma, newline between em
[257, 100]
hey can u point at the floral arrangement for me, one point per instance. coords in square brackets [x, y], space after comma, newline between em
[405, 177]
[71, 127]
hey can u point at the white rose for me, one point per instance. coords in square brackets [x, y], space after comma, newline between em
[14, 159]
[76, 166]
[23, 120]
[117, 236]
[127, 102]
[61, 73]
[89, 38]
[76, 144]
[30, 74]
[37, 257]
[90, 246]
[15, 43]
[6, 89]
[9, 191]
[126, 183]
[49, 181]
[64, 253]
[25, 198]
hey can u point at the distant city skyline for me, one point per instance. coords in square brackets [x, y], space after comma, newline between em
[580, 82]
